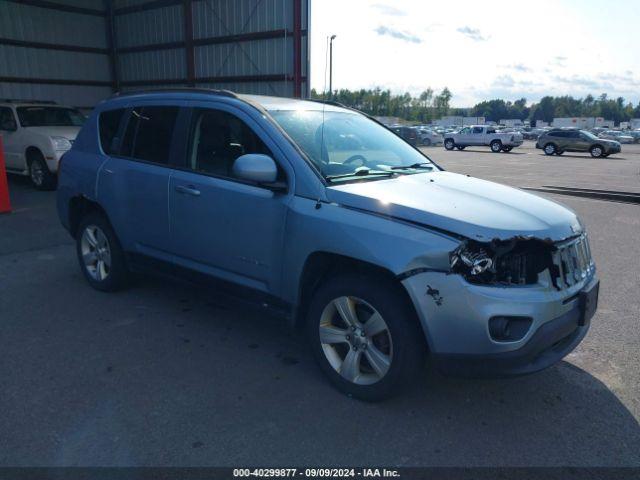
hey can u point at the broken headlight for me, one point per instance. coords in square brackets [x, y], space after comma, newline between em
[473, 261]
[512, 262]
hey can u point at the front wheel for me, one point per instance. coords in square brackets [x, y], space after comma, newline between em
[549, 149]
[596, 151]
[364, 336]
[496, 146]
[41, 177]
[449, 144]
[100, 255]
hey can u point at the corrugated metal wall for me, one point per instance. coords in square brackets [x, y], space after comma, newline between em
[257, 55]
[89, 70]
[246, 46]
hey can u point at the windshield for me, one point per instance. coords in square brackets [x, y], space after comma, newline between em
[50, 117]
[589, 134]
[353, 145]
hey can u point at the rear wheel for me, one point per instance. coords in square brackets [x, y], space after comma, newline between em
[426, 142]
[596, 151]
[364, 336]
[41, 177]
[449, 144]
[100, 255]
[549, 149]
[496, 146]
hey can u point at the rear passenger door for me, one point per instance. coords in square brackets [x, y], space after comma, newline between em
[221, 225]
[133, 182]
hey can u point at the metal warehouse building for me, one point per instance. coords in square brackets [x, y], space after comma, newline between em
[79, 52]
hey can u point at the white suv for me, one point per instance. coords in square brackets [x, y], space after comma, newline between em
[35, 135]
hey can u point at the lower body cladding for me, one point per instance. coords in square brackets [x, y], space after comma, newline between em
[491, 331]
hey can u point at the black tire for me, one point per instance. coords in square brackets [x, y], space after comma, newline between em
[559, 152]
[426, 142]
[460, 147]
[117, 273]
[406, 337]
[605, 155]
[596, 151]
[39, 174]
[549, 149]
[449, 144]
[507, 149]
[496, 146]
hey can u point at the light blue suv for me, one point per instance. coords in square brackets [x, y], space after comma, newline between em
[322, 213]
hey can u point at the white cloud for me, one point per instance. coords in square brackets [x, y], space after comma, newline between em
[397, 34]
[472, 33]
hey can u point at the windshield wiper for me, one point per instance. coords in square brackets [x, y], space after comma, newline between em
[426, 165]
[362, 172]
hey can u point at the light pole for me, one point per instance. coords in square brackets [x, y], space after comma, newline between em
[331, 65]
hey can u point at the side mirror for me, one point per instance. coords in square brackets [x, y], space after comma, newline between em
[255, 167]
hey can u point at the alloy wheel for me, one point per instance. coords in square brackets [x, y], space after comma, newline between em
[356, 340]
[96, 252]
[37, 173]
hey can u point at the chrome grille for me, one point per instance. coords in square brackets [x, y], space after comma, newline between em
[574, 262]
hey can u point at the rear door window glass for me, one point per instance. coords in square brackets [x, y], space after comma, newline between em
[149, 133]
[109, 122]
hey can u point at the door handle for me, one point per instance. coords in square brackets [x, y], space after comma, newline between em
[188, 190]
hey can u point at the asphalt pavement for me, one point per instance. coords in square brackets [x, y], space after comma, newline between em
[166, 373]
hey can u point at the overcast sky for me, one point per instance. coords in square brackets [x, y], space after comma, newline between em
[481, 49]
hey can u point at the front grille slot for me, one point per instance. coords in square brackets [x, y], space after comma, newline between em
[573, 260]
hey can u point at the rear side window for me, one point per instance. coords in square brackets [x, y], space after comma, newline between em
[149, 132]
[108, 124]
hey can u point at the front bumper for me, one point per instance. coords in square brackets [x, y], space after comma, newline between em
[456, 323]
[613, 149]
[54, 160]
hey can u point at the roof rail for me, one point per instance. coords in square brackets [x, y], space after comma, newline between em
[330, 102]
[27, 100]
[224, 93]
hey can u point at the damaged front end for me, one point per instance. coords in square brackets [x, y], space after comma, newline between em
[521, 261]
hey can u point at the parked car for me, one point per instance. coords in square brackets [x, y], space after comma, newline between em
[617, 135]
[635, 134]
[409, 134]
[375, 251]
[482, 135]
[35, 136]
[558, 141]
[429, 137]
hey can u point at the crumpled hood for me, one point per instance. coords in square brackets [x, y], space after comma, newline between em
[69, 133]
[467, 206]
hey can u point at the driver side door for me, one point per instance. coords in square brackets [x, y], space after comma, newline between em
[220, 225]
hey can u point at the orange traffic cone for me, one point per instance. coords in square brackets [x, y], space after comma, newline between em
[5, 205]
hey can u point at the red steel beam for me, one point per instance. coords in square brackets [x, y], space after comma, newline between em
[297, 48]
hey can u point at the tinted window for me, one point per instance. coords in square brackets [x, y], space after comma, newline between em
[557, 134]
[108, 123]
[7, 120]
[218, 139]
[149, 132]
[477, 129]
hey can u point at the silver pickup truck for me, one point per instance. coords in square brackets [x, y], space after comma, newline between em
[482, 135]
